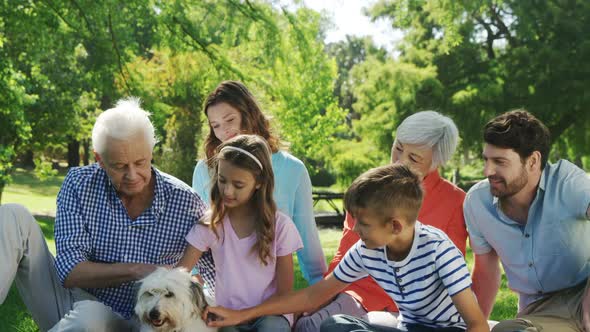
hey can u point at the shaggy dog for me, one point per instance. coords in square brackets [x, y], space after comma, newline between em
[169, 301]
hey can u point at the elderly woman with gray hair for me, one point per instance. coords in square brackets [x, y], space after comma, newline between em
[424, 141]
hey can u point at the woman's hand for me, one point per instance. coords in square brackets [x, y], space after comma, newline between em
[223, 317]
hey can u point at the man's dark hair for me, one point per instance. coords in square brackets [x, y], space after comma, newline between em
[521, 131]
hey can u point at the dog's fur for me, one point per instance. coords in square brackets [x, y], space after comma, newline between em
[168, 300]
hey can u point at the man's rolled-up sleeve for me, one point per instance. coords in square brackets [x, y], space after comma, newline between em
[575, 189]
[477, 241]
[72, 240]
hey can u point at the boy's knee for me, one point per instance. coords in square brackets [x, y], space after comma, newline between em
[308, 323]
[335, 323]
[273, 323]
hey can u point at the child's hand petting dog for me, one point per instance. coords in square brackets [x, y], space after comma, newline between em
[222, 317]
[209, 317]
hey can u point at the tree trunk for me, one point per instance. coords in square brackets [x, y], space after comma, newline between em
[578, 161]
[457, 175]
[466, 159]
[73, 153]
[86, 148]
[2, 185]
[27, 160]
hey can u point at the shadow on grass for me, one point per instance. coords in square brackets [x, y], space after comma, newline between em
[25, 181]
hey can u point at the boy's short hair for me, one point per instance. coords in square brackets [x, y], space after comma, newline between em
[521, 131]
[387, 190]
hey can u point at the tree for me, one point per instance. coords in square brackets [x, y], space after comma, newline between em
[300, 88]
[386, 92]
[15, 131]
[75, 58]
[288, 72]
[389, 92]
[349, 53]
[492, 56]
[173, 87]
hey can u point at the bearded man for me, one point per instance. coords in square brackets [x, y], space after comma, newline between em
[533, 217]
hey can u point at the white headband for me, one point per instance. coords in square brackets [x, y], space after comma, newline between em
[233, 148]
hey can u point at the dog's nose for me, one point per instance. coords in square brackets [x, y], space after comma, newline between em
[154, 314]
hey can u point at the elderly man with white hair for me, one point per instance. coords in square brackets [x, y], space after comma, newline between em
[423, 141]
[117, 221]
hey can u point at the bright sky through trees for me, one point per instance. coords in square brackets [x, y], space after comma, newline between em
[348, 18]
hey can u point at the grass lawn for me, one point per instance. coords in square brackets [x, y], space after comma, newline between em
[39, 197]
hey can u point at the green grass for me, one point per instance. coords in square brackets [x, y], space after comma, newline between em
[39, 197]
[13, 313]
[330, 238]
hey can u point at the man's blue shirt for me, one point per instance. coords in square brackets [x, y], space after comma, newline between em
[551, 251]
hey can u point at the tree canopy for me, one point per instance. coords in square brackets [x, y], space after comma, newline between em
[337, 105]
[65, 61]
[493, 56]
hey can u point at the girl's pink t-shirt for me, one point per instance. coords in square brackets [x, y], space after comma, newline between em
[241, 279]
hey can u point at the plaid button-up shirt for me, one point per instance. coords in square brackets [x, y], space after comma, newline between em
[93, 225]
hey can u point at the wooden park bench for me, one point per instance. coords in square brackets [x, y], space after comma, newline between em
[329, 218]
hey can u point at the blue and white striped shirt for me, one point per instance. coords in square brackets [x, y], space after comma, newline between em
[422, 284]
[93, 225]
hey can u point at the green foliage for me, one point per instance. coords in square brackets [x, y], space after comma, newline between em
[350, 159]
[173, 87]
[179, 150]
[44, 169]
[297, 89]
[62, 62]
[68, 53]
[289, 72]
[388, 92]
[15, 130]
[349, 53]
[493, 56]
[75, 59]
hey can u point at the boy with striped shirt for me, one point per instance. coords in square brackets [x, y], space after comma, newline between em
[417, 265]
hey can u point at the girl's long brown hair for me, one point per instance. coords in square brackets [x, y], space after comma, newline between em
[254, 121]
[262, 200]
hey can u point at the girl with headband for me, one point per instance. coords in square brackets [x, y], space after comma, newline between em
[252, 243]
